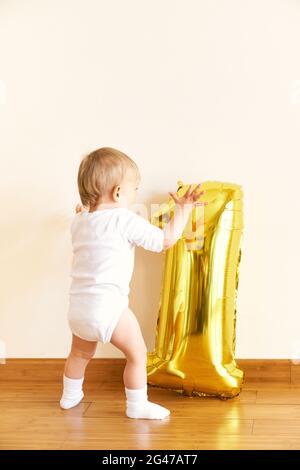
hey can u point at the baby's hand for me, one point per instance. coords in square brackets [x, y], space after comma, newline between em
[190, 197]
[79, 208]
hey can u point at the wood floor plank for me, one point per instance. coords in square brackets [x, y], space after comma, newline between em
[279, 397]
[200, 443]
[23, 409]
[80, 427]
[37, 391]
[270, 386]
[16, 443]
[295, 444]
[277, 427]
[155, 393]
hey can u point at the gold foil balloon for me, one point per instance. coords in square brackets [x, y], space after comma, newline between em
[195, 334]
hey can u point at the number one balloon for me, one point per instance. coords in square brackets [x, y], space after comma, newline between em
[196, 325]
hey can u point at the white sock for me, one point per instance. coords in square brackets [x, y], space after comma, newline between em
[72, 393]
[138, 405]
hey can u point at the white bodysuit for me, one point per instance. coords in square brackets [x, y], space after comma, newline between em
[103, 259]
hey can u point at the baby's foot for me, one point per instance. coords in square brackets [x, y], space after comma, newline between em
[72, 393]
[67, 402]
[146, 410]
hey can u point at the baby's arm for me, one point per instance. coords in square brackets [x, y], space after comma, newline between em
[174, 228]
[183, 206]
[141, 232]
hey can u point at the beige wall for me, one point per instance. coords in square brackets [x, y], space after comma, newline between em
[192, 90]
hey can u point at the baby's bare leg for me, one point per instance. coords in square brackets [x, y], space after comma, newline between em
[81, 353]
[128, 338]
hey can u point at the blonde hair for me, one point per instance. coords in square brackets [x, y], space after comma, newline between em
[100, 171]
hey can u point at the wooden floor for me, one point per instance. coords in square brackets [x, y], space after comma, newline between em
[266, 415]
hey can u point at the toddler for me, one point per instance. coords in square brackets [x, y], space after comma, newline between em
[104, 235]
